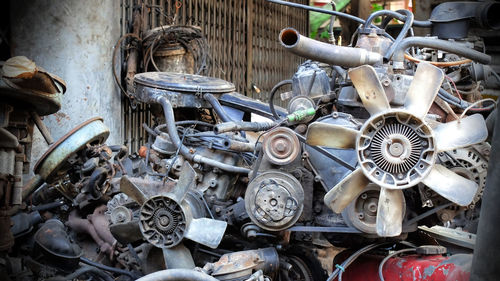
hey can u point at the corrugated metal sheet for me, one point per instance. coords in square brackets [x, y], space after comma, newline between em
[243, 37]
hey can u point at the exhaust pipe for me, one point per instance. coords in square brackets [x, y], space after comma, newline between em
[327, 53]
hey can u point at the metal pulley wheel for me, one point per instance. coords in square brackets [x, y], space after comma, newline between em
[54, 161]
[274, 200]
[281, 146]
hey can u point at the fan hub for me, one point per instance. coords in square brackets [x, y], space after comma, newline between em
[396, 149]
[162, 221]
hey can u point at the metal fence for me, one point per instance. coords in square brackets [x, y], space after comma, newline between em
[243, 37]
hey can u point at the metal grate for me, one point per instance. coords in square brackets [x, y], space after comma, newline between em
[243, 37]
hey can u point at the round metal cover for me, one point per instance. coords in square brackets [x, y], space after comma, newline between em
[181, 82]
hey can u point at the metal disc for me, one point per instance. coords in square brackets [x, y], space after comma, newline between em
[181, 82]
[91, 131]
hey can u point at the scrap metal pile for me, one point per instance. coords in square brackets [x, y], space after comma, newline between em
[381, 146]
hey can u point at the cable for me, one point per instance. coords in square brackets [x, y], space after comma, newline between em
[351, 258]
[381, 266]
[438, 63]
[271, 96]
[109, 268]
[318, 10]
[79, 272]
[113, 61]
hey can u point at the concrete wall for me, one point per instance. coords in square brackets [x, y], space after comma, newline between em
[73, 39]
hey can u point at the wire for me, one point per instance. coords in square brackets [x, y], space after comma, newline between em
[438, 63]
[109, 268]
[351, 258]
[381, 266]
[318, 10]
[271, 96]
[113, 61]
[477, 109]
[454, 85]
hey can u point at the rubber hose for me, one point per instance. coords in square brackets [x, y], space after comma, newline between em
[271, 96]
[439, 44]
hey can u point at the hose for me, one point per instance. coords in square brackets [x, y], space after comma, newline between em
[381, 266]
[177, 274]
[271, 96]
[243, 126]
[217, 107]
[394, 15]
[402, 34]
[183, 150]
[398, 57]
[79, 272]
[108, 268]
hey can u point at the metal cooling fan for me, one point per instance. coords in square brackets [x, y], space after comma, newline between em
[397, 149]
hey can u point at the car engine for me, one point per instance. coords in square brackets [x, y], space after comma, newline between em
[378, 143]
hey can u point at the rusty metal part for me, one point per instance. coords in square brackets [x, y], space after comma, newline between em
[281, 146]
[373, 42]
[173, 58]
[42, 128]
[6, 239]
[92, 131]
[101, 224]
[32, 89]
[80, 225]
[274, 200]
[134, 53]
[240, 265]
[324, 52]
[242, 146]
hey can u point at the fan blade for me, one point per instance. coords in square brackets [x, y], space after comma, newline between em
[345, 191]
[132, 190]
[423, 89]
[208, 232]
[329, 135]
[390, 212]
[451, 186]
[369, 89]
[178, 257]
[470, 130]
[187, 180]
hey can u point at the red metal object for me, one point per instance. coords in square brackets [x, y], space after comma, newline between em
[412, 268]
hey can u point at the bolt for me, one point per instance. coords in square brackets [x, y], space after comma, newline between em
[164, 220]
[317, 178]
[218, 209]
[364, 196]
[273, 202]
[361, 216]
[280, 146]
[386, 82]
[372, 207]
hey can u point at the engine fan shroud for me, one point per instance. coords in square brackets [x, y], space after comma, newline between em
[396, 149]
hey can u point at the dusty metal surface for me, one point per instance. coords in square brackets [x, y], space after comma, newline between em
[91, 131]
